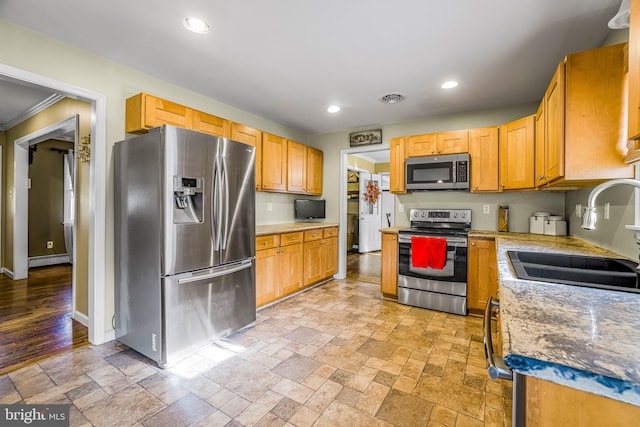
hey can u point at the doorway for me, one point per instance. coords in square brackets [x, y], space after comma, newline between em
[364, 267]
[95, 318]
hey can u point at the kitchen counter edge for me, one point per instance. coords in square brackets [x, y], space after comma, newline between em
[264, 230]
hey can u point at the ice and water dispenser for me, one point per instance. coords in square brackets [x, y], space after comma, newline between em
[188, 202]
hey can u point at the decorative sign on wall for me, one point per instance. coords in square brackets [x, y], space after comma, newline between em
[365, 137]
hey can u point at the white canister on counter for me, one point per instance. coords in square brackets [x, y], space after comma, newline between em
[555, 226]
[536, 222]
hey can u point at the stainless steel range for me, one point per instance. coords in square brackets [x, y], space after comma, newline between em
[419, 285]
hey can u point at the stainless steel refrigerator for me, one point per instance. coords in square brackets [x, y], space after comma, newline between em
[184, 241]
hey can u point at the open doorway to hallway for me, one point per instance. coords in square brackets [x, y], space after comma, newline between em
[369, 207]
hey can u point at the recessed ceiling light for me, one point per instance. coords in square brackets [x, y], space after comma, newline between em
[333, 109]
[196, 25]
[449, 85]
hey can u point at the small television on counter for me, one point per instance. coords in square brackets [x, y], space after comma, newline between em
[309, 209]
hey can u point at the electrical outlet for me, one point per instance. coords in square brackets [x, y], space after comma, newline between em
[485, 209]
[269, 206]
[578, 210]
[50, 244]
[401, 207]
[606, 210]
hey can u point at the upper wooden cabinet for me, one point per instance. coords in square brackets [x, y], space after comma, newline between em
[483, 151]
[517, 154]
[315, 164]
[634, 83]
[146, 111]
[274, 163]
[437, 143]
[208, 123]
[296, 167]
[396, 165]
[304, 169]
[251, 136]
[579, 142]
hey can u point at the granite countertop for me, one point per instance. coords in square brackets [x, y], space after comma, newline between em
[263, 230]
[584, 338]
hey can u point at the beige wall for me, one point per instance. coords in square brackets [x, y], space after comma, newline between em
[39, 54]
[46, 199]
[56, 113]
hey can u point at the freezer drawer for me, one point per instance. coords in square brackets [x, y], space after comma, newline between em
[203, 306]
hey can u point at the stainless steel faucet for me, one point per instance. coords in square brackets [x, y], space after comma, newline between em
[590, 217]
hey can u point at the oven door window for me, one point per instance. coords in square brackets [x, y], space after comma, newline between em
[430, 173]
[455, 268]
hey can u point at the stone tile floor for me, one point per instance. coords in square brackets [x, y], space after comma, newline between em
[336, 355]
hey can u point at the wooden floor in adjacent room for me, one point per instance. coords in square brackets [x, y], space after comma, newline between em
[364, 267]
[35, 317]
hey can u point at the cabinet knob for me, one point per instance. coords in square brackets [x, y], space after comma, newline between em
[393, 238]
[475, 187]
[473, 243]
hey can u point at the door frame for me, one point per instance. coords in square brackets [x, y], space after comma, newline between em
[342, 234]
[97, 190]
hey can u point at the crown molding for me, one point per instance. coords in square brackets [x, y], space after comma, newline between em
[41, 106]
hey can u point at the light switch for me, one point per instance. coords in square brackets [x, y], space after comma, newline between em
[269, 206]
[401, 207]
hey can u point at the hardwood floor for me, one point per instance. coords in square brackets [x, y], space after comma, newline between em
[364, 267]
[35, 317]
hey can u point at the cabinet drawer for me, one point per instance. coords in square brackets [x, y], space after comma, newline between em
[291, 238]
[330, 232]
[267, 242]
[311, 235]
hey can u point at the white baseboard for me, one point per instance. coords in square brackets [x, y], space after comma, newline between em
[7, 272]
[44, 260]
[82, 318]
[109, 335]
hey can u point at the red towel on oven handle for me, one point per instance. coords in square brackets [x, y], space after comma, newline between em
[420, 252]
[437, 248]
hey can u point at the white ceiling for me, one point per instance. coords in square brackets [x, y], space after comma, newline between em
[288, 60]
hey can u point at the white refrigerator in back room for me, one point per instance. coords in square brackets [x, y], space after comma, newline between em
[184, 241]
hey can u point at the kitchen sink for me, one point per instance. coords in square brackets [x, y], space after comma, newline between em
[577, 270]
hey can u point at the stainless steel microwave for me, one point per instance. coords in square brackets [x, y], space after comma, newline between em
[448, 172]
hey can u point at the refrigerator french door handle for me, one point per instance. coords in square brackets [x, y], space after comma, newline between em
[215, 204]
[218, 272]
[224, 227]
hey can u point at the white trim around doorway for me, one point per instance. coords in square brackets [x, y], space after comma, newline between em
[97, 189]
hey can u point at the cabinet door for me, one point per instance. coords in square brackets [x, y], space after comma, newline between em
[329, 257]
[540, 144]
[452, 142]
[482, 274]
[314, 171]
[421, 145]
[517, 154]
[208, 123]
[554, 126]
[291, 273]
[483, 150]
[274, 163]
[389, 273]
[550, 404]
[251, 136]
[312, 262]
[144, 112]
[296, 167]
[267, 275]
[396, 166]
[634, 81]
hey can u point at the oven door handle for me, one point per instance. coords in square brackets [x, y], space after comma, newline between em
[495, 364]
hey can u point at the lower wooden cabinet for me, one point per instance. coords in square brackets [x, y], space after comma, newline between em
[552, 405]
[482, 272]
[389, 274]
[289, 262]
[320, 255]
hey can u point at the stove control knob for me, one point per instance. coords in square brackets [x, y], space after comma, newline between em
[455, 214]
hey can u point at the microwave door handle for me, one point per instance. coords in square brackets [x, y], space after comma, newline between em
[454, 178]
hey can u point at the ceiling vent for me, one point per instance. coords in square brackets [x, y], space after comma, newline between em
[392, 98]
